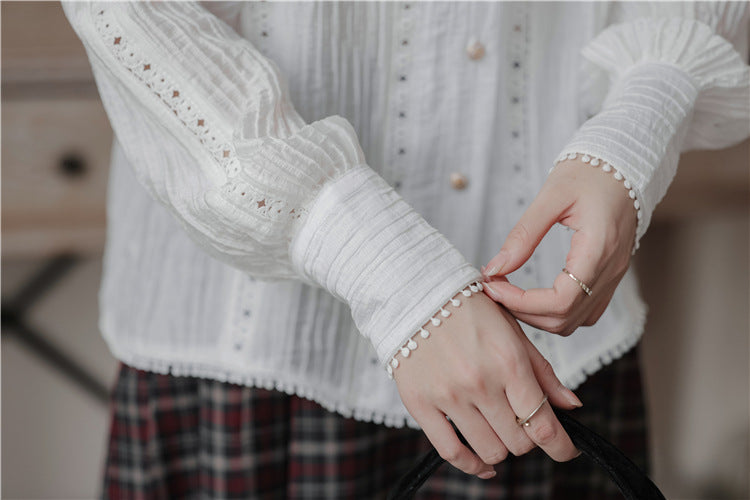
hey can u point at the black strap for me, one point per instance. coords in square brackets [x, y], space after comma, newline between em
[633, 483]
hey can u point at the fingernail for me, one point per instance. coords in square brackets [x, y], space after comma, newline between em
[491, 291]
[500, 261]
[571, 397]
[484, 274]
[488, 474]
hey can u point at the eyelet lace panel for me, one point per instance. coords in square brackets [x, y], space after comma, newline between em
[221, 150]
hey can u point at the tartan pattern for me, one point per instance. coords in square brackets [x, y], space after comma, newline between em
[186, 437]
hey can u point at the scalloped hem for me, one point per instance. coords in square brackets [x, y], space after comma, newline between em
[613, 353]
[369, 415]
[192, 369]
[596, 364]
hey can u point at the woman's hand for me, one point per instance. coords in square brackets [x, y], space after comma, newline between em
[479, 369]
[598, 208]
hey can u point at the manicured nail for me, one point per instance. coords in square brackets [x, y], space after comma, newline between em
[571, 397]
[488, 474]
[500, 261]
[491, 291]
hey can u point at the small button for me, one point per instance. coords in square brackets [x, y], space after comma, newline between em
[474, 49]
[458, 180]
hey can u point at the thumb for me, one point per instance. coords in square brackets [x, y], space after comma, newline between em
[523, 239]
[558, 394]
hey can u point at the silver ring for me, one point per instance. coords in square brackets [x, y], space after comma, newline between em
[587, 289]
[525, 422]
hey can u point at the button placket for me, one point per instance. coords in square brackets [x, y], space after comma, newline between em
[393, 171]
[247, 298]
[475, 50]
[261, 21]
[517, 59]
[242, 314]
[517, 56]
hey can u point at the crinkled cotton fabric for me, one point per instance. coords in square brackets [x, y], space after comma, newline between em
[297, 187]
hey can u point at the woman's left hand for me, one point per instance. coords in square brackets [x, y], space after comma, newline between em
[597, 206]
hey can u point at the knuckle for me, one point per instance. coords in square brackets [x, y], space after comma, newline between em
[471, 379]
[562, 307]
[566, 332]
[557, 326]
[446, 396]
[450, 454]
[544, 433]
[522, 448]
[496, 457]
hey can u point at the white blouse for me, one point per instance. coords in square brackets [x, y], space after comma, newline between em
[296, 188]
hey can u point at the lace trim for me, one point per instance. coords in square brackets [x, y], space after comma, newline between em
[615, 352]
[411, 344]
[188, 369]
[301, 389]
[195, 121]
[595, 161]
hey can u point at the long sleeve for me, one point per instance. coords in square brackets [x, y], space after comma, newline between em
[663, 78]
[207, 124]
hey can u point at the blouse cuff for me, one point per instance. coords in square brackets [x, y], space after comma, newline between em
[673, 85]
[371, 249]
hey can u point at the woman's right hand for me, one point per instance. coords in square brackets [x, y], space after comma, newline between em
[480, 369]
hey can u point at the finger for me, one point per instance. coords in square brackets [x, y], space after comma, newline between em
[559, 300]
[480, 435]
[599, 309]
[545, 430]
[558, 326]
[501, 418]
[558, 394]
[442, 436]
[542, 214]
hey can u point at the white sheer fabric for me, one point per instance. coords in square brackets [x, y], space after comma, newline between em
[250, 244]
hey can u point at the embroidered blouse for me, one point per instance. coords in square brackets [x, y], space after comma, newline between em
[297, 187]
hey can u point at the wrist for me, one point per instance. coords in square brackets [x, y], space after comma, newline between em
[438, 324]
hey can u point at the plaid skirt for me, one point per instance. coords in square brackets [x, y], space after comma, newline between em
[185, 437]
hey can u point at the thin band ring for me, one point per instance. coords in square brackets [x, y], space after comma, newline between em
[525, 422]
[586, 289]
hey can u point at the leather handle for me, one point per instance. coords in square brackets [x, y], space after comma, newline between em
[632, 481]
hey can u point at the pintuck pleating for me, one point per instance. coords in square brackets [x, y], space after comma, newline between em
[299, 189]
